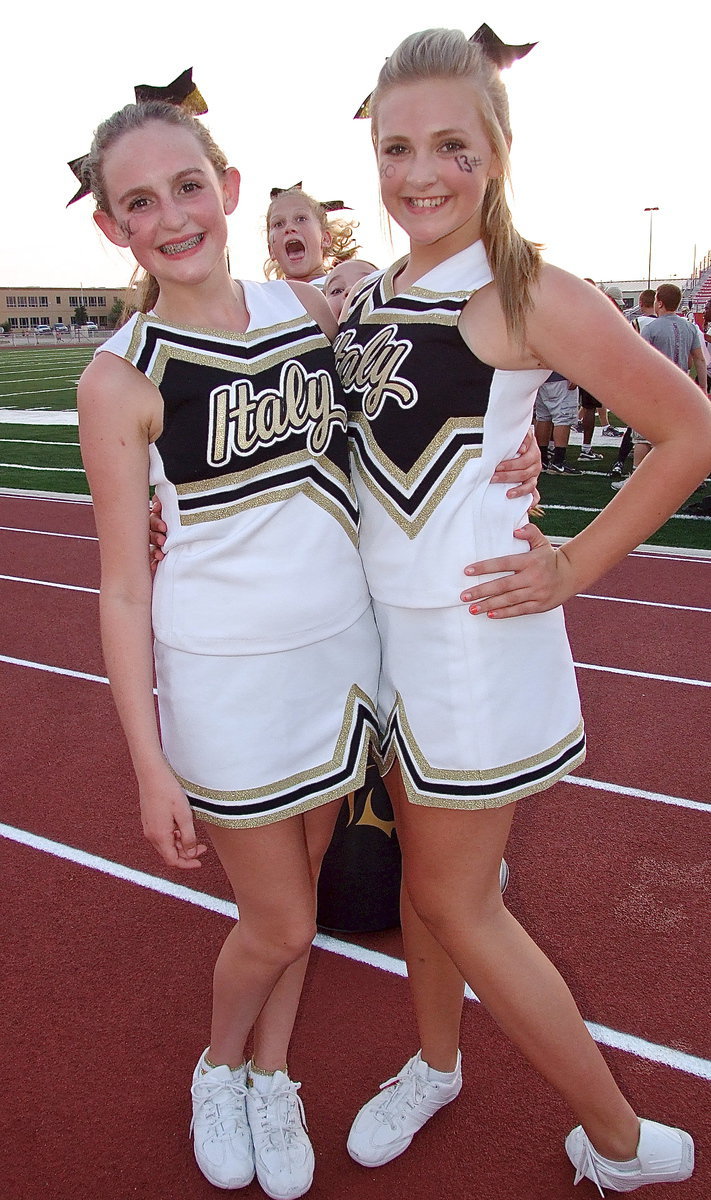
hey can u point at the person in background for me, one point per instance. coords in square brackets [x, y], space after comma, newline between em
[341, 279]
[675, 337]
[556, 411]
[643, 314]
[304, 242]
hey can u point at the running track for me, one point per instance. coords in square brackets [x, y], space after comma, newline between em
[107, 977]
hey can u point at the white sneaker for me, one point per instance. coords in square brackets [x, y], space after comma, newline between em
[283, 1155]
[386, 1125]
[220, 1130]
[664, 1155]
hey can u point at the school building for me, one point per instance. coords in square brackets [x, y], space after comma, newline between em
[27, 307]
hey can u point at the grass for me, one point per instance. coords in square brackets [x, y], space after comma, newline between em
[42, 457]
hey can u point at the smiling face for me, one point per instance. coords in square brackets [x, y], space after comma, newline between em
[167, 203]
[297, 241]
[435, 161]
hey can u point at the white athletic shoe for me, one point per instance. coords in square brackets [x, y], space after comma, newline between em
[220, 1130]
[386, 1125]
[283, 1155]
[664, 1155]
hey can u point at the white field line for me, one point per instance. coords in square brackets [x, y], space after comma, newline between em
[40, 392]
[580, 780]
[581, 508]
[69, 371]
[34, 442]
[25, 467]
[666, 1056]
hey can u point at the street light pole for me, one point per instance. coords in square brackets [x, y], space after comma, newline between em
[651, 212]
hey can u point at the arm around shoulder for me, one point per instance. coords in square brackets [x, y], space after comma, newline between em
[316, 306]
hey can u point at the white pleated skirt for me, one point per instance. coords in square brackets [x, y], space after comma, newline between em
[478, 711]
[256, 738]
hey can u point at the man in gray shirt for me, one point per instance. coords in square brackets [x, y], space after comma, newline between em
[675, 337]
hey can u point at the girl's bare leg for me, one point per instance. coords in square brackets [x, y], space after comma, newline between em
[275, 1023]
[271, 877]
[437, 989]
[451, 867]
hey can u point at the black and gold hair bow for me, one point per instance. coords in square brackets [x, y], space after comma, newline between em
[182, 92]
[327, 205]
[495, 50]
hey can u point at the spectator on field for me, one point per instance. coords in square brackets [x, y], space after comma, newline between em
[643, 314]
[674, 336]
[556, 411]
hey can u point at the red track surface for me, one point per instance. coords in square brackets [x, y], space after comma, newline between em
[107, 983]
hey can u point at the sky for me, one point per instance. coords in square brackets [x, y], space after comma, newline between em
[609, 115]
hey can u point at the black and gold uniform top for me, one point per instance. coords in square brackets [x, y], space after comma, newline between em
[252, 471]
[429, 422]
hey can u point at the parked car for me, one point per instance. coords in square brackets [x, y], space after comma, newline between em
[60, 327]
[90, 325]
[41, 329]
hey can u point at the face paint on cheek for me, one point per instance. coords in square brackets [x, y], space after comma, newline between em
[387, 171]
[467, 162]
[126, 230]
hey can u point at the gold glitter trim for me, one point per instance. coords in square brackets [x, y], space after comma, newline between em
[396, 316]
[211, 488]
[493, 800]
[368, 738]
[230, 362]
[284, 462]
[275, 496]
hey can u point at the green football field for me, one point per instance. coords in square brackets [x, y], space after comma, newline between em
[40, 456]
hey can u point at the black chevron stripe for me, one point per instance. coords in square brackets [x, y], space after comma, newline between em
[272, 481]
[411, 504]
[501, 787]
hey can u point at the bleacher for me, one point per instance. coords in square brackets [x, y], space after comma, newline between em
[702, 294]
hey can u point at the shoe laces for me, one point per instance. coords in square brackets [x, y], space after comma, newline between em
[408, 1091]
[221, 1104]
[587, 1167]
[281, 1111]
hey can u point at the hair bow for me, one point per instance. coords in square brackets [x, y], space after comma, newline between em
[326, 205]
[494, 49]
[182, 92]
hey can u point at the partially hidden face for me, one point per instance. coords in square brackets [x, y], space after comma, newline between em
[341, 279]
[296, 240]
[168, 203]
[434, 160]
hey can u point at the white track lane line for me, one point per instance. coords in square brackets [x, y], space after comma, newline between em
[597, 784]
[645, 603]
[704, 683]
[580, 595]
[79, 537]
[643, 675]
[666, 1056]
[64, 587]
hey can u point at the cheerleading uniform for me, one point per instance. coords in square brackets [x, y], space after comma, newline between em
[478, 712]
[265, 647]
